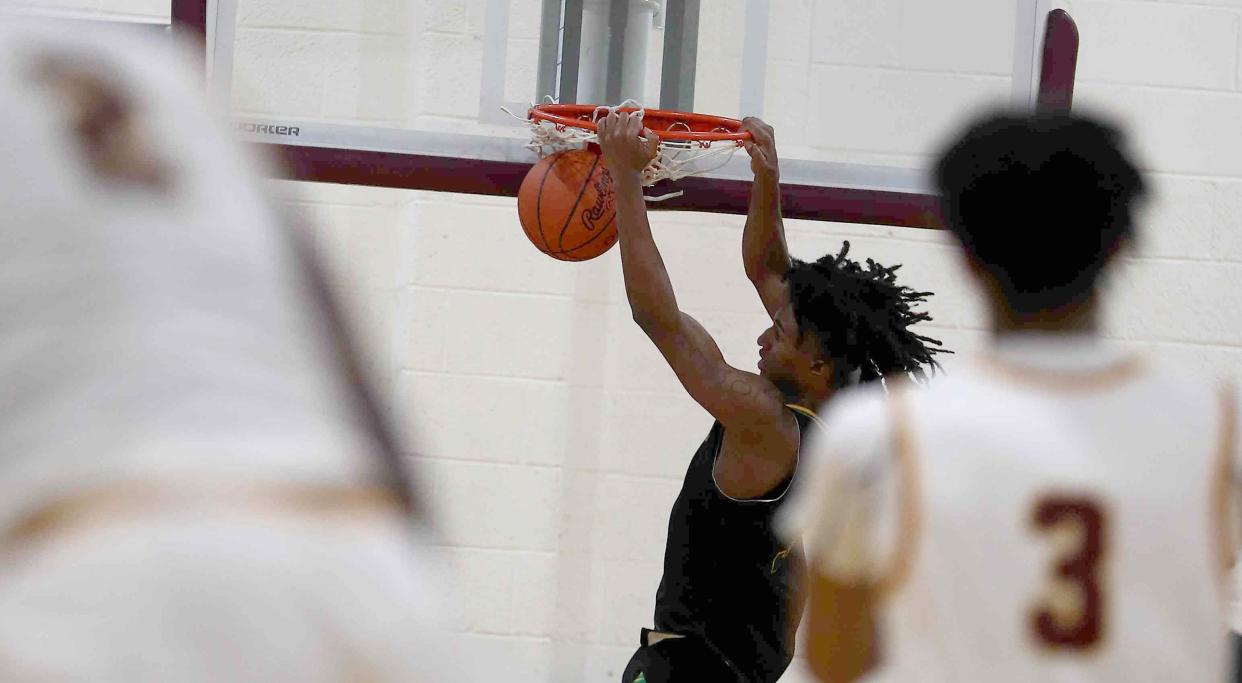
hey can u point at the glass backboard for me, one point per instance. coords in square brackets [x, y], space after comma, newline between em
[861, 92]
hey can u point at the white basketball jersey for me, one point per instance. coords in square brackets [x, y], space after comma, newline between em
[1055, 513]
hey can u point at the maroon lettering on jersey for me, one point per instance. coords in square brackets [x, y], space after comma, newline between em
[1072, 617]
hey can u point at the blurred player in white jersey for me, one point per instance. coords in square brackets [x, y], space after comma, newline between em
[194, 484]
[1055, 509]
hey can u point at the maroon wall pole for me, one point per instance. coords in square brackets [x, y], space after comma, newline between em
[1060, 62]
[190, 16]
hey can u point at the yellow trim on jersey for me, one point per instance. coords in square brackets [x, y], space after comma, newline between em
[1221, 487]
[910, 492]
[805, 412]
[784, 553]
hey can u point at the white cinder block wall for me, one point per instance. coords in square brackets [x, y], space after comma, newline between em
[546, 430]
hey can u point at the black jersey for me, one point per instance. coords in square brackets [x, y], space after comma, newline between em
[728, 578]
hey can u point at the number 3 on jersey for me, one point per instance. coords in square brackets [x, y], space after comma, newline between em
[1070, 613]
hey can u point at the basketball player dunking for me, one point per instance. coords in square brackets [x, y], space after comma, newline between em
[726, 609]
[1055, 510]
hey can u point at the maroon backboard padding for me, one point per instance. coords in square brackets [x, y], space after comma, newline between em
[504, 178]
[811, 202]
[405, 171]
[471, 176]
[1056, 78]
[191, 16]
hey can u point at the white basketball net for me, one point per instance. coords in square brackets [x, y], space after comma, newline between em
[675, 159]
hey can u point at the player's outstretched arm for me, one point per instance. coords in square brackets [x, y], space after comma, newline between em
[764, 253]
[732, 396]
[647, 285]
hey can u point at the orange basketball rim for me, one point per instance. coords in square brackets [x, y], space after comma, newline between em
[667, 125]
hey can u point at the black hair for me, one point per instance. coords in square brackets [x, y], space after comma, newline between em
[1041, 202]
[861, 317]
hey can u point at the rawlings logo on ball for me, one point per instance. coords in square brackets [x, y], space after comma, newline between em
[603, 202]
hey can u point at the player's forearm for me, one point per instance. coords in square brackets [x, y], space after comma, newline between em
[647, 285]
[763, 240]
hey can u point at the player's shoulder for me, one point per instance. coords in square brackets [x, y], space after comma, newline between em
[984, 379]
[1167, 387]
[856, 408]
[869, 409]
[1178, 380]
[854, 424]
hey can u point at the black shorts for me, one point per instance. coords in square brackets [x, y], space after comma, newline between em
[1236, 640]
[678, 660]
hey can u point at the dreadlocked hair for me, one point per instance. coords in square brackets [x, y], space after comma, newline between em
[861, 317]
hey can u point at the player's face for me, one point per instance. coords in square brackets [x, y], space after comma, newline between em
[786, 357]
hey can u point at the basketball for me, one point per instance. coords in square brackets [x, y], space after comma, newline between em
[567, 207]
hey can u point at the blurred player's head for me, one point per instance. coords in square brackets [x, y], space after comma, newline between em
[1040, 203]
[845, 322]
[161, 322]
